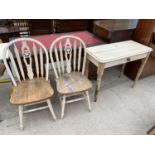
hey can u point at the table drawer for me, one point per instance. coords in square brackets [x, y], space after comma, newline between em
[125, 60]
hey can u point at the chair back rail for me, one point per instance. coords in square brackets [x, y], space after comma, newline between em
[69, 53]
[20, 54]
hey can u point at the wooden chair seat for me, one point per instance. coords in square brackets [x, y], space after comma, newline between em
[29, 91]
[73, 82]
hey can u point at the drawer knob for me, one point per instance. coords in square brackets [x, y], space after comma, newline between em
[128, 59]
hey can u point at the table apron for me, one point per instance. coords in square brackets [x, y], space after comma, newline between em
[125, 60]
[93, 60]
[117, 62]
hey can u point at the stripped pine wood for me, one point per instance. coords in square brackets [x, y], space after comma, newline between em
[29, 91]
[72, 83]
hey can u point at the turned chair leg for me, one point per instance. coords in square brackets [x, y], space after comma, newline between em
[21, 117]
[63, 103]
[51, 109]
[88, 100]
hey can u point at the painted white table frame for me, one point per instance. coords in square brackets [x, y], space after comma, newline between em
[109, 55]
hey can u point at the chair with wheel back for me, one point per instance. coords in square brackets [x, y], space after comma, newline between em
[27, 63]
[68, 57]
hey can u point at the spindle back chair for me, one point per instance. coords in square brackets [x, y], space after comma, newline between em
[31, 85]
[68, 58]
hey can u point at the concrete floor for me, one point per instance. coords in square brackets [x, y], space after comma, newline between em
[120, 109]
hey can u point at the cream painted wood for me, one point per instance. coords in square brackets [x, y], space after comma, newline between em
[69, 69]
[36, 59]
[26, 53]
[19, 61]
[2, 46]
[75, 100]
[141, 69]
[122, 70]
[23, 52]
[21, 117]
[125, 60]
[88, 99]
[116, 51]
[63, 105]
[75, 49]
[68, 51]
[109, 55]
[68, 55]
[51, 109]
[61, 57]
[100, 72]
[79, 57]
[14, 66]
[41, 63]
[35, 109]
[57, 60]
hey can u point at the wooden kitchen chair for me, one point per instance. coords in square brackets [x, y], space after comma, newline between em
[27, 64]
[68, 57]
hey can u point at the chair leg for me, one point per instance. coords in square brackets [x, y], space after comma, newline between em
[63, 103]
[51, 109]
[88, 100]
[21, 117]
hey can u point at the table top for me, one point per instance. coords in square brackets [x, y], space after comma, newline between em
[116, 25]
[115, 51]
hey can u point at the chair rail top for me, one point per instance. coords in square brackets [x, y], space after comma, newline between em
[22, 39]
[40, 71]
[119, 50]
[66, 36]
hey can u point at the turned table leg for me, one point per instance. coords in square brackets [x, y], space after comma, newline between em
[100, 71]
[140, 69]
[122, 70]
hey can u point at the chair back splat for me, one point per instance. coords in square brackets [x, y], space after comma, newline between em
[68, 54]
[24, 58]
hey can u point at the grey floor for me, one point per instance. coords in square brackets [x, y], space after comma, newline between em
[119, 110]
